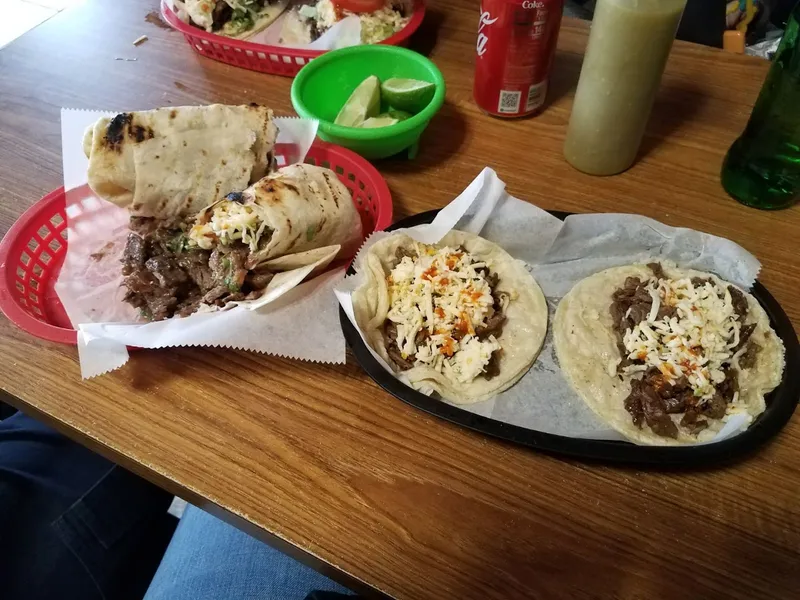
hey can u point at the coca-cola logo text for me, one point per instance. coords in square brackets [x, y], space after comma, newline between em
[530, 4]
[483, 39]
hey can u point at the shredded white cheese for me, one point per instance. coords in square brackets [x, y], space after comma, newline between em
[695, 343]
[229, 221]
[441, 292]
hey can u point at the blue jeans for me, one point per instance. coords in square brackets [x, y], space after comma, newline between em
[211, 560]
[72, 524]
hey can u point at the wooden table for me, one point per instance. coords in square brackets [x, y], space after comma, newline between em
[317, 459]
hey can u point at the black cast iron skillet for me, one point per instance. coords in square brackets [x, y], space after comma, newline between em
[780, 403]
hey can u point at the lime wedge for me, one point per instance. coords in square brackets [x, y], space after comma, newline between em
[400, 115]
[409, 95]
[363, 103]
[383, 120]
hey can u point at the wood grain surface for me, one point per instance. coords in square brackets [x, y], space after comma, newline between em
[317, 459]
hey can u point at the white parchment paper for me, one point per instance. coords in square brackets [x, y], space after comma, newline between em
[559, 254]
[89, 283]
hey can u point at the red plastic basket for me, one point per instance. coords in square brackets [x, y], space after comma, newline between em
[276, 60]
[33, 250]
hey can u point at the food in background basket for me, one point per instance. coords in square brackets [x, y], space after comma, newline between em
[462, 318]
[160, 164]
[307, 20]
[666, 355]
[231, 18]
[405, 96]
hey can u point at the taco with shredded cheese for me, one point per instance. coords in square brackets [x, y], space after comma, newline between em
[238, 19]
[665, 355]
[461, 318]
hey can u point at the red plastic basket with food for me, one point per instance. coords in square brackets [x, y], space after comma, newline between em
[33, 250]
[276, 60]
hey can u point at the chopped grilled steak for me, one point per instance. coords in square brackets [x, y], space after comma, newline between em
[221, 14]
[227, 267]
[494, 326]
[678, 403]
[402, 253]
[422, 337]
[259, 279]
[217, 293]
[676, 397]
[744, 335]
[633, 296]
[134, 255]
[716, 407]
[164, 276]
[729, 386]
[161, 306]
[653, 409]
[390, 331]
[314, 30]
[491, 278]
[665, 310]
[195, 263]
[404, 7]
[740, 305]
[691, 423]
[748, 359]
[633, 404]
[701, 281]
[166, 271]
[657, 269]
[645, 406]
[147, 225]
[492, 368]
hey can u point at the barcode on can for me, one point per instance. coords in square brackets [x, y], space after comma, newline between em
[509, 102]
[536, 94]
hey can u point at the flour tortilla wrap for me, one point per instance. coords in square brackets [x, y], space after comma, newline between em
[172, 162]
[522, 336]
[298, 208]
[586, 347]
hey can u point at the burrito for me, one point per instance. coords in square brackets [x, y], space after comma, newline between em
[461, 318]
[231, 18]
[298, 208]
[666, 355]
[172, 162]
[307, 20]
[231, 251]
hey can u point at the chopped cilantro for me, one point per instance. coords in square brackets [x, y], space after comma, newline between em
[241, 21]
[179, 243]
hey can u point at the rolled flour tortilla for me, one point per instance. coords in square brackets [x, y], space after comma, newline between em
[298, 208]
[173, 162]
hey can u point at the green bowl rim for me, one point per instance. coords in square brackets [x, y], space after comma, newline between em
[378, 133]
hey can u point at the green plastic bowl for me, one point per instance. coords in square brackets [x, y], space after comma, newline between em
[323, 86]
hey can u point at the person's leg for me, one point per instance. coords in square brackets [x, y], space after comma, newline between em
[211, 560]
[72, 524]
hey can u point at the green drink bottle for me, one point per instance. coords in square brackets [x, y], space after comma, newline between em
[762, 168]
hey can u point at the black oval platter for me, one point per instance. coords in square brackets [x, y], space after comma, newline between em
[780, 403]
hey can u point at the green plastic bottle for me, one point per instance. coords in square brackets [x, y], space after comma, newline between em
[762, 168]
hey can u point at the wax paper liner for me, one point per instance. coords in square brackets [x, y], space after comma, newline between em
[559, 254]
[89, 282]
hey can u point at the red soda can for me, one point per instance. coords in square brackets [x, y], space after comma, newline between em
[515, 50]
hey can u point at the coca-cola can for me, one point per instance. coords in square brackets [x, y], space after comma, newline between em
[515, 50]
